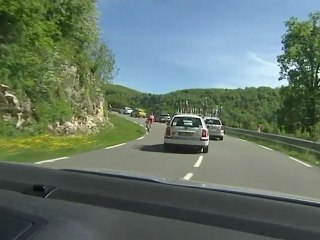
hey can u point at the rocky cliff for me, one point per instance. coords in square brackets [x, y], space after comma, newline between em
[22, 113]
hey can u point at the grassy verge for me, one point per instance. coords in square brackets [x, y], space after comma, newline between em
[304, 155]
[42, 147]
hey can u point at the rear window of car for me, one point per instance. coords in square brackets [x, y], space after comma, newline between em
[213, 121]
[186, 122]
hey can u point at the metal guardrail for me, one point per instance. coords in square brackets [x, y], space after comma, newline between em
[294, 142]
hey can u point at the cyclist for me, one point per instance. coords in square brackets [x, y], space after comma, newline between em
[149, 121]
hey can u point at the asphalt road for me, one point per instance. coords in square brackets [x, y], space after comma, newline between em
[232, 162]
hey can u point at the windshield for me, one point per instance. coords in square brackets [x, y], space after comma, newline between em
[213, 121]
[123, 85]
[186, 121]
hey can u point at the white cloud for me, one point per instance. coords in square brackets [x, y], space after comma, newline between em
[248, 69]
[261, 72]
[257, 59]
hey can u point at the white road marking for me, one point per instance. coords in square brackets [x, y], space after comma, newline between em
[51, 160]
[114, 146]
[265, 147]
[242, 140]
[140, 138]
[141, 125]
[305, 164]
[198, 162]
[188, 176]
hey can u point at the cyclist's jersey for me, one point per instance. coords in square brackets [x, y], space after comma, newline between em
[151, 119]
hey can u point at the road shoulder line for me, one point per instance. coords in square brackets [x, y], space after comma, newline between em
[265, 147]
[299, 161]
[188, 176]
[114, 146]
[51, 160]
[243, 140]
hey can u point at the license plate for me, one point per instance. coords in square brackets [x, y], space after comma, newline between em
[185, 134]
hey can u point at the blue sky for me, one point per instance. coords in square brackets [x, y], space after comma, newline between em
[166, 45]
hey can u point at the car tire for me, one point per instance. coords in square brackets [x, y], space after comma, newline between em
[166, 147]
[221, 138]
[206, 149]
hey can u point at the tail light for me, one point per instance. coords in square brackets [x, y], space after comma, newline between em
[204, 133]
[168, 132]
[222, 128]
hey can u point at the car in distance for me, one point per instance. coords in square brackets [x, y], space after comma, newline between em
[186, 130]
[139, 113]
[163, 118]
[126, 110]
[215, 127]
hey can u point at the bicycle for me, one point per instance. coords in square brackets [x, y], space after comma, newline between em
[148, 126]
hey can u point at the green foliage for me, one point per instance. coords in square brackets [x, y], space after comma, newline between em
[41, 42]
[119, 96]
[7, 129]
[58, 110]
[243, 108]
[300, 66]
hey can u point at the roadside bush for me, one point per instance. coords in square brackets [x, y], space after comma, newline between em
[7, 129]
[315, 135]
[58, 110]
[302, 134]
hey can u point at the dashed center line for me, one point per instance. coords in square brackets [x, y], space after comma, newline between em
[265, 147]
[198, 162]
[51, 160]
[114, 146]
[188, 176]
[242, 140]
[305, 164]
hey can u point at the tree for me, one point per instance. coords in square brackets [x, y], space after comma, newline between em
[52, 53]
[291, 112]
[300, 66]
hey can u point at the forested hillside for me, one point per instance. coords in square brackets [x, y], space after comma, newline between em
[119, 96]
[53, 66]
[244, 108]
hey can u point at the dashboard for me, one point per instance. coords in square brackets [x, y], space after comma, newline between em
[42, 203]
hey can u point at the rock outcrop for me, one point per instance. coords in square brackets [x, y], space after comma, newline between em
[22, 113]
[12, 110]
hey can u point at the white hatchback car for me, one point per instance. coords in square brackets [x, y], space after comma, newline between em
[126, 110]
[187, 130]
[216, 129]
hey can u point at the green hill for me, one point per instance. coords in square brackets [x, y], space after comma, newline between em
[119, 96]
[243, 108]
